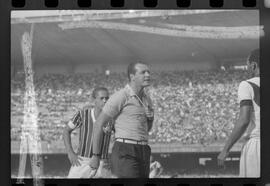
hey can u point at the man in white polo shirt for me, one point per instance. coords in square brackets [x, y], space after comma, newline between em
[131, 109]
[249, 122]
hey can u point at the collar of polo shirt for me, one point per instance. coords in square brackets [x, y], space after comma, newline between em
[131, 92]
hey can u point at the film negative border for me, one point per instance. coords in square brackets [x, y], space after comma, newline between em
[139, 4]
[7, 6]
[145, 182]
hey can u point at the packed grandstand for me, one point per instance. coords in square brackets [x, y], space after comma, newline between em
[191, 107]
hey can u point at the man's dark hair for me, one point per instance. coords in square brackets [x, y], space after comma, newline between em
[96, 90]
[255, 57]
[131, 68]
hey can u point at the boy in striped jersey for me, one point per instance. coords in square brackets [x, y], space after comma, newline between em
[84, 120]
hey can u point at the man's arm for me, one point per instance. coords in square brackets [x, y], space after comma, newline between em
[150, 117]
[102, 120]
[150, 123]
[150, 113]
[73, 158]
[238, 131]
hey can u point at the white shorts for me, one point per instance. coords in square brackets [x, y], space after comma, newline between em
[84, 170]
[250, 161]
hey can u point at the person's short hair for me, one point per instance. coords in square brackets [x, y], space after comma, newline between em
[131, 68]
[96, 90]
[255, 57]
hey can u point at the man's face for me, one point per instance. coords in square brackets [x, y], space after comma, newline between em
[250, 68]
[101, 98]
[142, 75]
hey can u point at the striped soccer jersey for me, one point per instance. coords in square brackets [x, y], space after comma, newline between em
[84, 120]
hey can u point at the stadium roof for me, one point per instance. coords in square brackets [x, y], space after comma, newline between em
[122, 36]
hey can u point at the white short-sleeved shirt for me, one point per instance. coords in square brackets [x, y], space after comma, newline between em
[250, 90]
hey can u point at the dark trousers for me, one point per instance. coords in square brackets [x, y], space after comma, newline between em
[130, 160]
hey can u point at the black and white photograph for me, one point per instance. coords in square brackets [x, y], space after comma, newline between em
[135, 94]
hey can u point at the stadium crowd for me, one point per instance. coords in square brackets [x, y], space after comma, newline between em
[192, 107]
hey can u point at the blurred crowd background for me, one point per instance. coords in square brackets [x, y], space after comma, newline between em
[191, 107]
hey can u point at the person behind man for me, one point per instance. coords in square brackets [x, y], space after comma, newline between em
[131, 109]
[155, 168]
[84, 120]
[249, 121]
